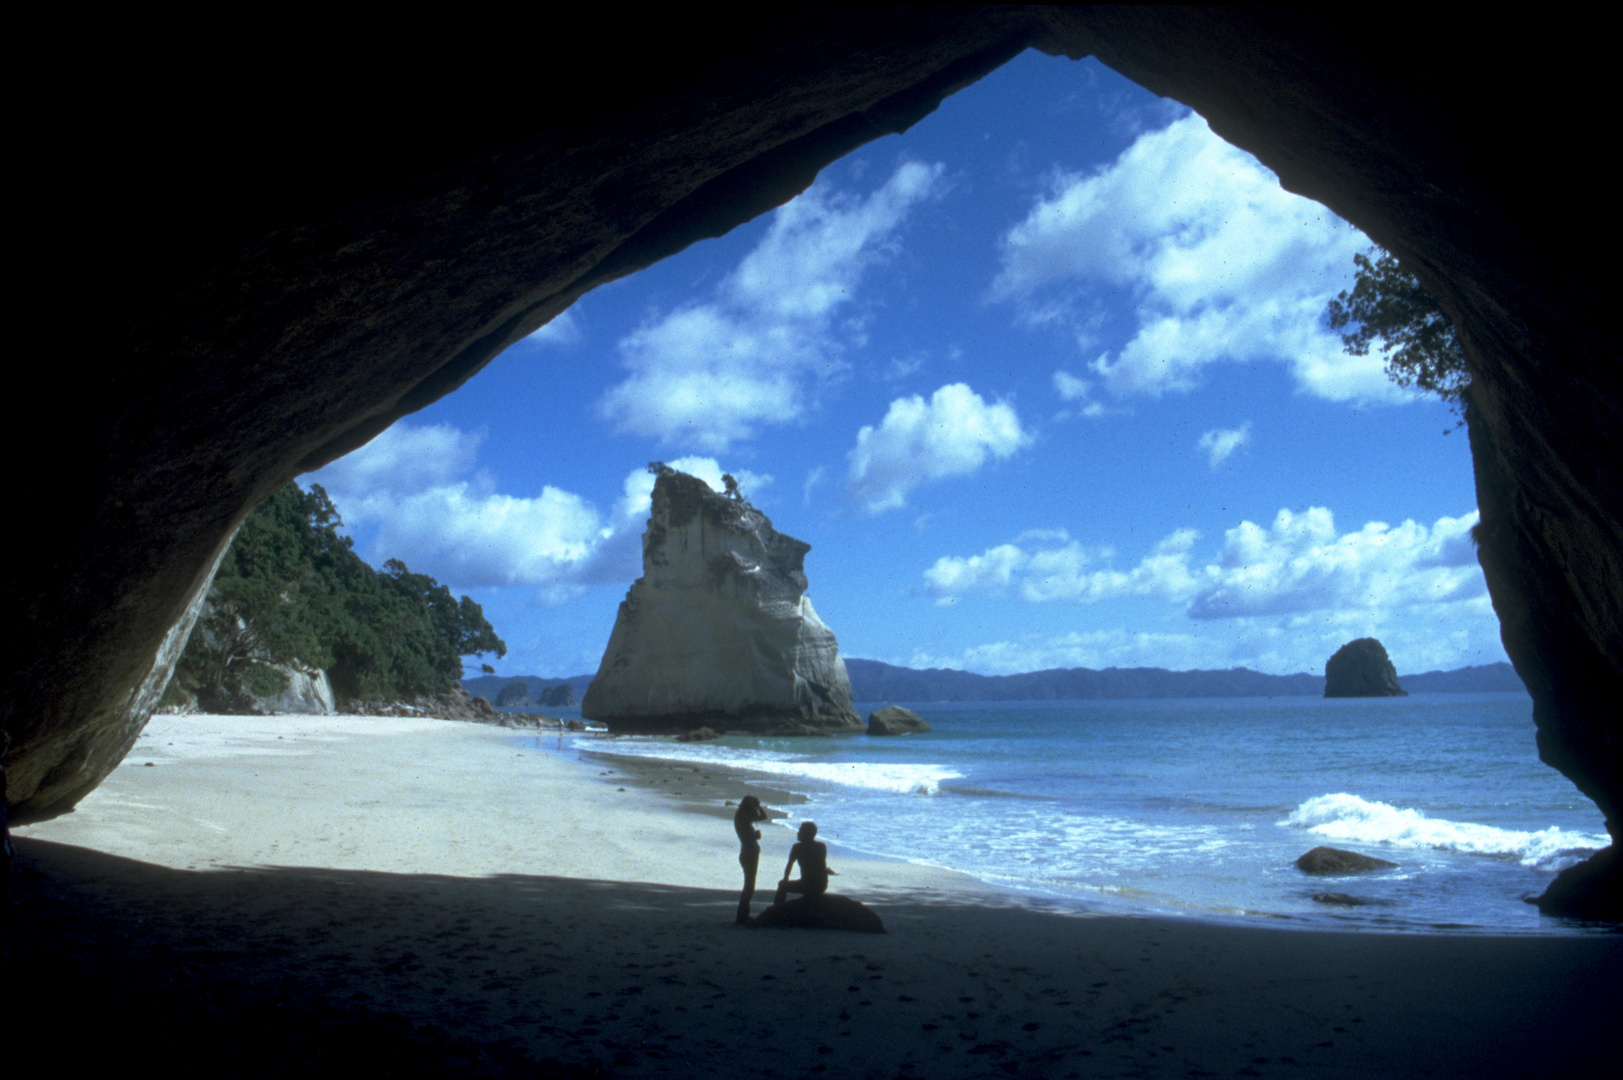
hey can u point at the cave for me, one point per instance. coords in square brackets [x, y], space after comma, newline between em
[270, 258]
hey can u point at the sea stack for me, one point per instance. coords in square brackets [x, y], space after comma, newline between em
[718, 631]
[1361, 669]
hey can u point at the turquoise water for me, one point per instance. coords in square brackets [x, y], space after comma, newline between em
[1202, 806]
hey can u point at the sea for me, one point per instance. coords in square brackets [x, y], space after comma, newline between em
[1200, 807]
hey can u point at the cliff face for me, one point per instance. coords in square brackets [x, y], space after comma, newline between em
[718, 631]
[1361, 669]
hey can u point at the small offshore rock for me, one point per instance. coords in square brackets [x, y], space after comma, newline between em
[703, 734]
[516, 692]
[561, 696]
[576, 725]
[1327, 861]
[1340, 899]
[895, 720]
[1361, 668]
[827, 912]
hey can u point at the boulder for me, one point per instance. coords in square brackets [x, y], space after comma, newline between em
[1327, 861]
[718, 630]
[1593, 889]
[1339, 899]
[703, 734]
[561, 696]
[827, 912]
[895, 720]
[1361, 669]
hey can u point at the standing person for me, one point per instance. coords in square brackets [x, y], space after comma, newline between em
[812, 855]
[749, 849]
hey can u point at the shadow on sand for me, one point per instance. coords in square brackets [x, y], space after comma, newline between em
[278, 971]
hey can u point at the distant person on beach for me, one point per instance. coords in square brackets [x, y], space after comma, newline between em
[812, 855]
[749, 849]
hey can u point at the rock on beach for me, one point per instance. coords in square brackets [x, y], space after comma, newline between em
[895, 720]
[1328, 861]
[827, 912]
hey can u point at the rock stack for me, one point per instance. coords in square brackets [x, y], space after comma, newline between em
[1361, 669]
[718, 631]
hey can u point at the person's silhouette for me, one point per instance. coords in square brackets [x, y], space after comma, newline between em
[812, 855]
[749, 849]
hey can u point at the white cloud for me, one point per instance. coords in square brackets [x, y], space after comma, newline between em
[1220, 443]
[1063, 573]
[1277, 599]
[564, 329]
[402, 460]
[1221, 262]
[813, 478]
[1298, 566]
[711, 374]
[952, 434]
[416, 490]
[1090, 649]
[1080, 391]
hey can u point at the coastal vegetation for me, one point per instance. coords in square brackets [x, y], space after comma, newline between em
[1388, 304]
[292, 594]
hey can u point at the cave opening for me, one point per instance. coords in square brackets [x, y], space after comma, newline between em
[1046, 382]
[265, 322]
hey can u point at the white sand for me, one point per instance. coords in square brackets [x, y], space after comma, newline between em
[438, 872]
[411, 796]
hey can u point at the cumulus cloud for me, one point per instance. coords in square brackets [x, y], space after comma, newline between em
[417, 491]
[711, 374]
[1220, 443]
[951, 434]
[1066, 572]
[1299, 565]
[1221, 262]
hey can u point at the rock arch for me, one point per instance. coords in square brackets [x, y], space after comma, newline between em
[265, 261]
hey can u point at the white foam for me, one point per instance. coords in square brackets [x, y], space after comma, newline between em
[1355, 820]
[905, 779]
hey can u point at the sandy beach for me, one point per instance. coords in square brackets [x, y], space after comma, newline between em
[356, 882]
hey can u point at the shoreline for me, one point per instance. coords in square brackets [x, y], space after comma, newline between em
[431, 876]
[732, 779]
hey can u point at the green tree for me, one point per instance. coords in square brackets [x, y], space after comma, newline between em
[291, 589]
[1388, 304]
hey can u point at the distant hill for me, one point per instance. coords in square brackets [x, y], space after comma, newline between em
[1466, 680]
[491, 686]
[872, 681]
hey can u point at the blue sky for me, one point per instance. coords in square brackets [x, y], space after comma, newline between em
[1044, 382]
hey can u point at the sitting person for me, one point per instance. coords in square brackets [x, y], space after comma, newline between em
[812, 855]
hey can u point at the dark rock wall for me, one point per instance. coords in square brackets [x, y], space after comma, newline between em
[258, 265]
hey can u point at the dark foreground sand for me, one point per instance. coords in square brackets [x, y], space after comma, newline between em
[312, 970]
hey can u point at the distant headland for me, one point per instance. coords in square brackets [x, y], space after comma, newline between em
[873, 681]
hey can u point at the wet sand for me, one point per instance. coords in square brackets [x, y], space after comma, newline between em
[433, 886]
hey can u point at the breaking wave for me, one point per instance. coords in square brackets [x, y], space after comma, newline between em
[904, 779]
[1355, 820]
